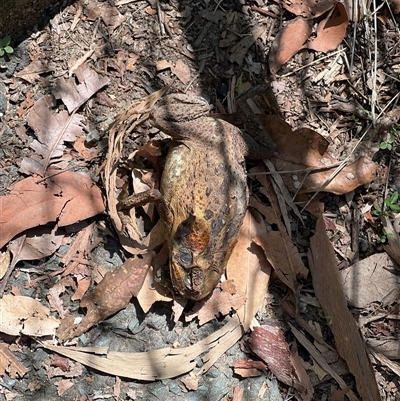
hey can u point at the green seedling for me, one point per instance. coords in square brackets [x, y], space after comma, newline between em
[392, 204]
[5, 47]
[393, 135]
[239, 84]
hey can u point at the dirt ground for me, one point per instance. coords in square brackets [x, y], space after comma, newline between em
[216, 50]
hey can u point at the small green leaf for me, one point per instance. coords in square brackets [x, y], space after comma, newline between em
[239, 84]
[9, 49]
[6, 40]
[395, 208]
[383, 145]
[394, 198]
[1, 52]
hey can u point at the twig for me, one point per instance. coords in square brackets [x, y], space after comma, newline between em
[160, 18]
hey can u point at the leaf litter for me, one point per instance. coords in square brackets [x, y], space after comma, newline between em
[311, 176]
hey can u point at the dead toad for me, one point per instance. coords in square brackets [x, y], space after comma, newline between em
[204, 194]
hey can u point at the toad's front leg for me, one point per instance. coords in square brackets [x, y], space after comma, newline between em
[141, 199]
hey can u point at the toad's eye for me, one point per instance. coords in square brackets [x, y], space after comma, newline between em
[185, 256]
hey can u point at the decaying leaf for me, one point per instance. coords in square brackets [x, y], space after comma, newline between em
[157, 364]
[10, 364]
[72, 95]
[5, 258]
[24, 315]
[182, 71]
[110, 15]
[67, 197]
[328, 289]
[124, 123]
[32, 71]
[248, 268]
[288, 42]
[52, 130]
[220, 303]
[371, 280]
[308, 8]
[331, 30]
[191, 382]
[304, 152]
[111, 295]
[268, 343]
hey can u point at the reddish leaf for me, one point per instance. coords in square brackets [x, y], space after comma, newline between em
[288, 42]
[67, 196]
[329, 291]
[331, 30]
[308, 8]
[111, 295]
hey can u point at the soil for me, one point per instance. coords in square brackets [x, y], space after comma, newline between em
[200, 48]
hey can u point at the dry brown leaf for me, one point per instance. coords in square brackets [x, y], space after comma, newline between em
[305, 150]
[163, 65]
[287, 43]
[31, 72]
[220, 303]
[52, 130]
[67, 197]
[124, 123]
[10, 364]
[308, 8]
[157, 364]
[74, 96]
[330, 31]
[152, 291]
[191, 382]
[111, 295]
[26, 104]
[248, 372]
[182, 71]
[268, 343]
[5, 258]
[377, 269]
[63, 385]
[283, 256]
[316, 355]
[131, 62]
[250, 364]
[393, 239]
[85, 152]
[241, 49]
[238, 393]
[327, 286]
[24, 315]
[110, 15]
[40, 243]
[248, 269]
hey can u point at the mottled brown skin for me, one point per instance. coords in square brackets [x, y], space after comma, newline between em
[204, 193]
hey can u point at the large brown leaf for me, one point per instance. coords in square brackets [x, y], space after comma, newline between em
[304, 153]
[328, 289]
[308, 8]
[331, 30]
[67, 197]
[288, 42]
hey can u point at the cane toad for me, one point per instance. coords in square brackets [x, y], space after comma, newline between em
[204, 194]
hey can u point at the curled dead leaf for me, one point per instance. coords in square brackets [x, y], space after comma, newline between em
[331, 30]
[288, 42]
[111, 295]
[308, 8]
[304, 152]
